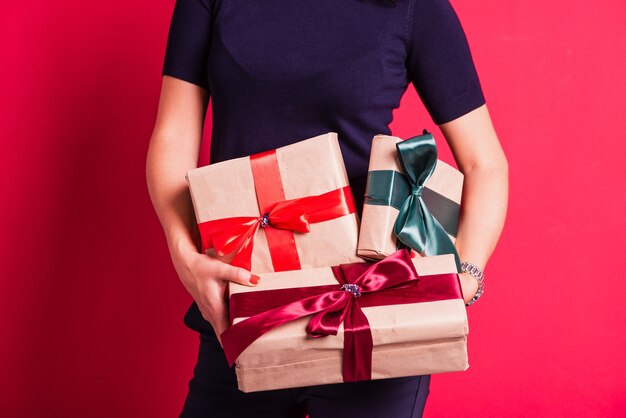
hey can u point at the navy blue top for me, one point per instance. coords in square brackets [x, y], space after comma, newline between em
[279, 71]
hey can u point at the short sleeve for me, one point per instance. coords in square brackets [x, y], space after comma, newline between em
[189, 38]
[439, 61]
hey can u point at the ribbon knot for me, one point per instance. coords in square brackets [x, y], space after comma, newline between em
[417, 190]
[352, 288]
[265, 220]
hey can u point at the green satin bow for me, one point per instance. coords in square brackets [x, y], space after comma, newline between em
[415, 226]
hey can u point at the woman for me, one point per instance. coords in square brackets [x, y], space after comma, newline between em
[279, 71]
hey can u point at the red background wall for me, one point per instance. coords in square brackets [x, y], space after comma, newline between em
[91, 310]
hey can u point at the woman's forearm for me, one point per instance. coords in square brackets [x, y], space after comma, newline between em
[480, 157]
[173, 151]
[483, 211]
[166, 166]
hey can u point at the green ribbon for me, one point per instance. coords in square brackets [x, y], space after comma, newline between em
[415, 225]
[386, 188]
[390, 188]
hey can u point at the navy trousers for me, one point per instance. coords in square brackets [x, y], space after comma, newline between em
[213, 393]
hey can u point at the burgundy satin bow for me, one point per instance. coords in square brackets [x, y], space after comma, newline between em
[390, 281]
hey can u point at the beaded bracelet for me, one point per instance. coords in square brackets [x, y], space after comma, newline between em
[476, 273]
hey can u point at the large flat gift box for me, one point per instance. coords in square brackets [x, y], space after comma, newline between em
[284, 209]
[418, 325]
[390, 188]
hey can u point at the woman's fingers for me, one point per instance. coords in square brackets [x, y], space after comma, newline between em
[206, 283]
[237, 275]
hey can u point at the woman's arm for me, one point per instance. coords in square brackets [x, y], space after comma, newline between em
[173, 151]
[480, 158]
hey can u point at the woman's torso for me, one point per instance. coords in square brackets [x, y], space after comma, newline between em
[282, 71]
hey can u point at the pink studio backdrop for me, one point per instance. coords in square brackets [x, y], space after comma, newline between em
[91, 309]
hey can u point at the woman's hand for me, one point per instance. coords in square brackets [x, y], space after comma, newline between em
[469, 286]
[205, 278]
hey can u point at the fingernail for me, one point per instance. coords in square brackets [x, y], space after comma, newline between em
[254, 279]
[412, 254]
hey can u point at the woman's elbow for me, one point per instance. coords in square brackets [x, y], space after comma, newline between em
[495, 163]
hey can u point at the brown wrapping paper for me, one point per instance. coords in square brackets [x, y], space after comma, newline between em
[376, 237]
[409, 340]
[309, 167]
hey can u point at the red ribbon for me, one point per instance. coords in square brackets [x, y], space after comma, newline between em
[283, 217]
[390, 281]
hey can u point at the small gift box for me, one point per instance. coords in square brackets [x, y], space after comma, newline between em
[285, 209]
[411, 199]
[360, 321]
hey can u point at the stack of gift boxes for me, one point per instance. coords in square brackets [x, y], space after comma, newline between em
[321, 313]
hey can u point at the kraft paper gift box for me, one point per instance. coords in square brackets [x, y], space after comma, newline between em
[284, 209]
[420, 330]
[431, 188]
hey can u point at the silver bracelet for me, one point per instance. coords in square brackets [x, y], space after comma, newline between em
[476, 273]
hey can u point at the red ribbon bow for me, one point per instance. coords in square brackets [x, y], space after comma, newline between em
[237, 234]
[390, 281]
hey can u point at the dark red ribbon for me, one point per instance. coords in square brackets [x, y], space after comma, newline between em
[228, 235]
[390, 281]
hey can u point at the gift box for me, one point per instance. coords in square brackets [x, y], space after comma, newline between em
[397, 317]
[285, 209]
[411, 199]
